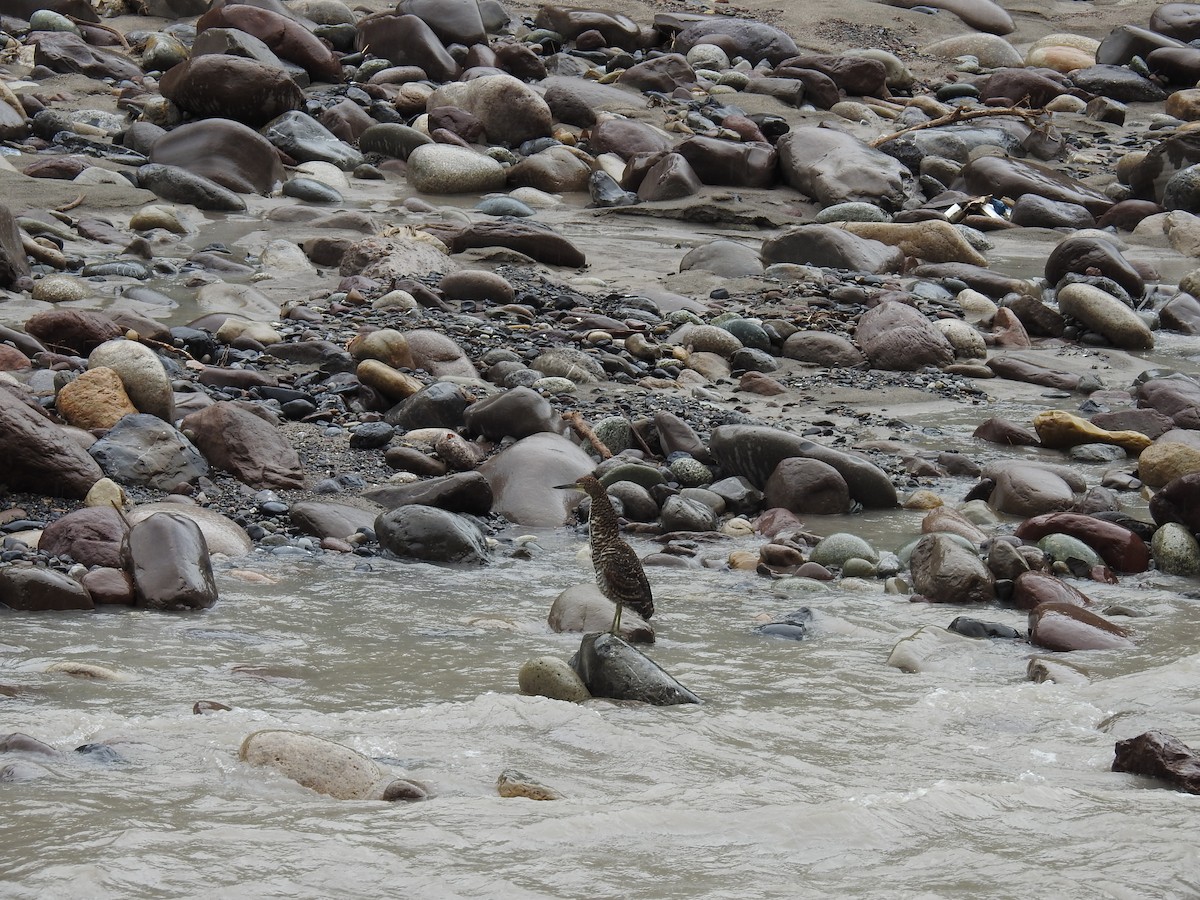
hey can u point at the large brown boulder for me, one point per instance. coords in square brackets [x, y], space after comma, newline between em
[234, 438]
[36, 454]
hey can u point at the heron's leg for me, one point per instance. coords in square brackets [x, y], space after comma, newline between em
[616, 623]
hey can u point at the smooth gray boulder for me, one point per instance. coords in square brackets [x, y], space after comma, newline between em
[610, 667]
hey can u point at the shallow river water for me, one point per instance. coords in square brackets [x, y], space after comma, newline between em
[812, 769]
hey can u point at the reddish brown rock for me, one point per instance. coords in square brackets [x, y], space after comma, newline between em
[91, 536]
[109, 586]
[1160, 756]
[231, 87]
[1031, 589]
[35, 589]
[12, 359]
[807, 486]
[1001, 431]
[167, 556]
[406, 41]
[1178, 501]
[1065, 627]
[36, 453]
[1119, 547]
[728, 163]
[287, 38]
[234, 438]
[72, 330]
[227, 152]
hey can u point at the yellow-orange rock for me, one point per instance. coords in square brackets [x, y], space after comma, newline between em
[1164, 461]
[94, 400]
[392, 383]
[1059, 430]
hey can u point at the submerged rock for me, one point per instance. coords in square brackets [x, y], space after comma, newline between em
[1162, 756]
[326, 767]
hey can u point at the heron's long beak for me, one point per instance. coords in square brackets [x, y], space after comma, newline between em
[567, 487]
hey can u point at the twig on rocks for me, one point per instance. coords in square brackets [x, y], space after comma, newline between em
[959, 114]
[78, 201]
[584, 430]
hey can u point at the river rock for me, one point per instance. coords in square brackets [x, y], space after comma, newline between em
[1082, 252]
[610, 667]
[753, 41]
[236, 439]
[68, 53]
[510, 111]
[524, 475]
[1176, 397]
[142, 375]
[517, 413]
[222, 150]
[325, 767]
[221, 534]
[181, 186]
[392, 258]
[75, 331]
[943, 571]
[549, 676]
[821, 348]
[755, 451]
[1033, 588]
[1002, 176]
[1121, 549]
[835, 549]
[431, 535]
[807, 486]
[832, 167]
[556, 169]
[920, 651]
[91, 537]
[1065, 627]
[1167, 459]
[933, 241]
[167, 558]
[981, 15]
[446, 169]
[945, 520]
[582, 608]
[626, 138]
[714, 161]
[536, 241]
[14, 264]
[331, 520]
[288, 38]
[1178, 501]
[671, 178]
[896, 337]
[1028, 491]
[460, 492]
[1156, 754]
[38, 455]
[1176, 551]
[231, 87]
[438, 405]
[34, 589]
[94, 400]
[830, 247]
[1059, 430]
[305, 139]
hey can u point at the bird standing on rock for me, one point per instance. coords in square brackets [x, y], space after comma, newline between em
[619, 573]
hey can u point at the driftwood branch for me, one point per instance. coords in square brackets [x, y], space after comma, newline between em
[959, 114]
[584, 430]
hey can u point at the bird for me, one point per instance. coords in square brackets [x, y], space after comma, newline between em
[619, 573]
